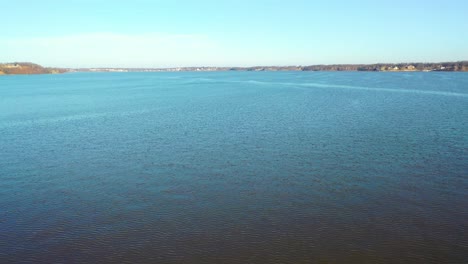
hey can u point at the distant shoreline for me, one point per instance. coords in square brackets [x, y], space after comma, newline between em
[461, 66]
[385, 67]
[16, 68]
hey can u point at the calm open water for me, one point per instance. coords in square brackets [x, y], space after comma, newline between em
[234, 167]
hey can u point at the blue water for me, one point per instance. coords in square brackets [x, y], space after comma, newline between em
[234, 167]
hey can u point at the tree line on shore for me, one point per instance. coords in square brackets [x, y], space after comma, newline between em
[27, 68]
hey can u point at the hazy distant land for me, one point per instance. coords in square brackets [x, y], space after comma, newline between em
[31, 68]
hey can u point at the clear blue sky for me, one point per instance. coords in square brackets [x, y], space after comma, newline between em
[152, 33]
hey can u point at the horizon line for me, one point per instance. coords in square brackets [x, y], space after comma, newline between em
[243, 66]
[254, 66]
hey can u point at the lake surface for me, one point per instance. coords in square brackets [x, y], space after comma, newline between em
[234, 167]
